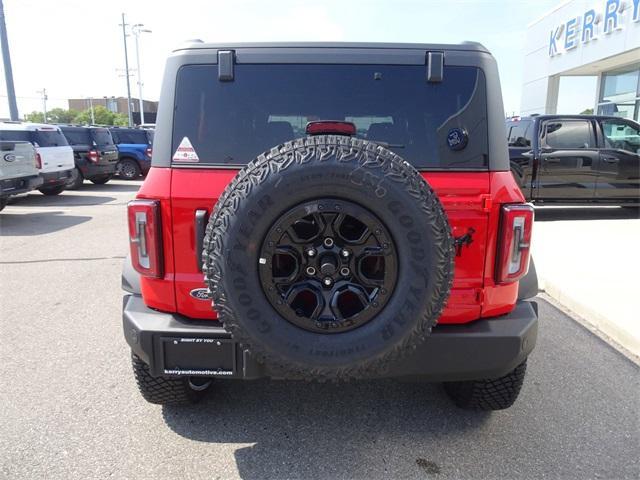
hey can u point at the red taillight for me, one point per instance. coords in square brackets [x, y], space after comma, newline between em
[38, 161]
[145, 237]
[514, 242]
[148, 152]
[328, 127]
[94, 156]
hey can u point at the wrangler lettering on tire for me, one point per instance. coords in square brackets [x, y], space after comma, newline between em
[329, 257]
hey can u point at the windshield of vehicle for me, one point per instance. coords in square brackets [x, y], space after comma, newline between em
[101, 136]
[49, 138]
[77, 136]
[129, 136]
[232, 122]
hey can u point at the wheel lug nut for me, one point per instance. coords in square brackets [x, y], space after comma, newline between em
[311, 252]
[327, 281]
[311, 271]
[328, 242]
[345, 253]
[344, 271]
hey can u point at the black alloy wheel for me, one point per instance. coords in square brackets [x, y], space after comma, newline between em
[333, 265]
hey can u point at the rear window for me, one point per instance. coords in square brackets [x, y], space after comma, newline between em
[230, 123]
[129, 136]
[101, 136]
[15, 135]
[77, 136]
[49, 138]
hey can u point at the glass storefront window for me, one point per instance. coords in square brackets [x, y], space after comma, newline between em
[620, 93]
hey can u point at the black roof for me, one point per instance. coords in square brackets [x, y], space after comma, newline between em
[464, 46]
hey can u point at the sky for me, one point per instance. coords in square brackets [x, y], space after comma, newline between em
[74, 48]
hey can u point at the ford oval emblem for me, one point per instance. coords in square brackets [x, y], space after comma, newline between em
[457, 139]
[200, 294]
[9, 157]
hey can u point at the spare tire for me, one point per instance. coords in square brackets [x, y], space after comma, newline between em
[328, 257]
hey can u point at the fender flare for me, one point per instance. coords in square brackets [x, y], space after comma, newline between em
[528, 285]
[130, 278]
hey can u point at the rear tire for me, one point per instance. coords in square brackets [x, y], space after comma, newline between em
[496, 394]
[163, 390]
[101, 179]
[76, 179]
[50, 191]
[128, 169]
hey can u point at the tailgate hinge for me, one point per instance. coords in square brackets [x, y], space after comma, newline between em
[226, 59]
[435, 66]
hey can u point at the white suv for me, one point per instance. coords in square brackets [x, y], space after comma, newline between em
[53, 152]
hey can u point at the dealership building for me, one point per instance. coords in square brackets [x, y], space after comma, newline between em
[598, 38]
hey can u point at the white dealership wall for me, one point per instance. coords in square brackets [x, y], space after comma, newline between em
[610, 48]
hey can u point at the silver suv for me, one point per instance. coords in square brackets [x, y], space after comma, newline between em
[19, 171]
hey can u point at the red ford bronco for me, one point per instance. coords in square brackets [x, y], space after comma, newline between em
[330, 212]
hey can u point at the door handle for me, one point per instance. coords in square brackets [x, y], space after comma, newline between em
[551, 160]
[610, 159]
[200, 227]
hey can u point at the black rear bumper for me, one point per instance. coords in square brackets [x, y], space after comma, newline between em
[173, 345]
[15, 186]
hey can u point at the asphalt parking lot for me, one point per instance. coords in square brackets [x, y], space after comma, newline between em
[70, 407]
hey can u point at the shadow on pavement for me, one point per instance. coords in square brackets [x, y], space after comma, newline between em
[62, 200]
[134, 186]
[311, 430]
[27, 224]
[586, 213]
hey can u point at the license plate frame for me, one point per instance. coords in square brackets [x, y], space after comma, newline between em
[198, 356]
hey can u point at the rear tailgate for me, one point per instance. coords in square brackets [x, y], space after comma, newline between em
[17, 160]
[464, 196]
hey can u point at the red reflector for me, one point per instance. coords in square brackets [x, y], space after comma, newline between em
[93, 156]
[514, 242]
[145, 239]
[327, 127]
[38, 161]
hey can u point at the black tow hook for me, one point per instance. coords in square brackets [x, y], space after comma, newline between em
[464, 240]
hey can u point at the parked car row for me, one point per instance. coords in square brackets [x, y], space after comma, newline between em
[52, 158]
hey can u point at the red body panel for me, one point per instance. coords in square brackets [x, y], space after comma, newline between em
[471, 199]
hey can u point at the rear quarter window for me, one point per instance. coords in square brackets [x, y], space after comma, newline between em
[230, 123]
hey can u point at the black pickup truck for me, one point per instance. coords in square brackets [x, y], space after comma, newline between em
[576, 159]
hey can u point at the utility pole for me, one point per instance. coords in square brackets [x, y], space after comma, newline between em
[126, 68]
[43, 92]
[8, 72]
[93, 116]
[137, 30]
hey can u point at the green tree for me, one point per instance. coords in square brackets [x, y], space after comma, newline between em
[588, 111]
[60, 115]
[121, 120]
[101, 115]
[35, 117]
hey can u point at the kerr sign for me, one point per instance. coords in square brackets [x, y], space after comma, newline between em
[592, 24]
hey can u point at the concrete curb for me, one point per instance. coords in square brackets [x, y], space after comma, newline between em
[606, 328]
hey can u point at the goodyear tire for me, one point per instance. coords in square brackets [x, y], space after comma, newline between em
[316, 173]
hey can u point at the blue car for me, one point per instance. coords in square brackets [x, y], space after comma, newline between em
[134, 147]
